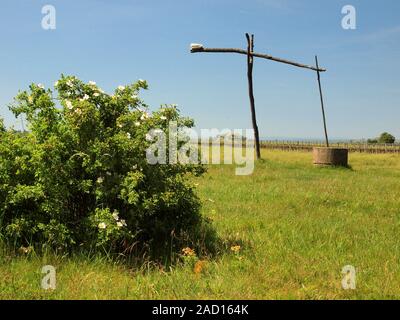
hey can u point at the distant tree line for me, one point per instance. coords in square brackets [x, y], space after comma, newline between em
[383, 138]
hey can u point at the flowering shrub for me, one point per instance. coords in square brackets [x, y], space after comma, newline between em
[79, 176]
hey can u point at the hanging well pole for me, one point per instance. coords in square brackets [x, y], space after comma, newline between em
[250, 49]
[322, 102]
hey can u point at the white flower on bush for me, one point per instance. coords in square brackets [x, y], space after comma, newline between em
[121, 88]
[41, 86]
[115, 215]
[119, 125]
[137, 124]
[128, 135]
[102, 225]
[100, 180]
[69, 83]
[96, 94]
[69, 104]
[85, 97]
[163, 118]
[78, 111]
[92, 83]
[121, 223]
[134, 96]
[145, 116]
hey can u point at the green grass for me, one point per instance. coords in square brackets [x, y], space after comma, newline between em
[297, 225]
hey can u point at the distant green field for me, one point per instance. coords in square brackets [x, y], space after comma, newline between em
[297, 227]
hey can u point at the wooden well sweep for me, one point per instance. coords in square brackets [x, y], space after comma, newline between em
[322, 156]
[330, 156]
[196, 48]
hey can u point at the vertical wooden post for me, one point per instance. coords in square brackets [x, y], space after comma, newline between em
[250, 50]
[322, 102]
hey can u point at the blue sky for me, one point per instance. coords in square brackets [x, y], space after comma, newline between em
[117, 42]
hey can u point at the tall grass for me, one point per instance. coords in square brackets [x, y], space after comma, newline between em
[297, 226]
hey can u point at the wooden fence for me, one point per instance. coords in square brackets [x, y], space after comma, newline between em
[352, 146]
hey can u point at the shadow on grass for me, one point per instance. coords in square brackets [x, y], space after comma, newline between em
[332, 167]
[204, 241]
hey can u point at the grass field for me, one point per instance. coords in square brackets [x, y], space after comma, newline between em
[297, 227]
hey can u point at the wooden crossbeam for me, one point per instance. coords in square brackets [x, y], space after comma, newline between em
[254, 54]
